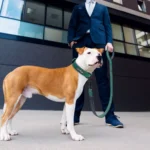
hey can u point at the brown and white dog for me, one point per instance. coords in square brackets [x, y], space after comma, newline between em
[61, 84]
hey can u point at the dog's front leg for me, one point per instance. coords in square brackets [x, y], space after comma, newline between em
[70, 122]
[64, 122]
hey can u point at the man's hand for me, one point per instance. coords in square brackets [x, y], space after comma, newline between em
[72, 43]
[109, 47]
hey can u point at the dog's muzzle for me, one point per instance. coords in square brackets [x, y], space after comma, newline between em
[99, 58]
[99, 61]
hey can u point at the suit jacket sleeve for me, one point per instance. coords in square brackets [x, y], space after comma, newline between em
[107, 25]
[72, 25]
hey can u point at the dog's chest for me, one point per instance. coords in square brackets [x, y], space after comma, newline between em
[81, 83]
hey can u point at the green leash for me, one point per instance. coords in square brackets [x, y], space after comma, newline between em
[91, 97]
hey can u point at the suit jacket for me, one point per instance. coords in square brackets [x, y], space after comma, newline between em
[99, 24]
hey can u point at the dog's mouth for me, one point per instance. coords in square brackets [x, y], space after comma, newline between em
[98, 64]
[94, 63]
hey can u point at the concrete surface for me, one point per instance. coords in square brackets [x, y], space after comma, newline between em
[40, 130]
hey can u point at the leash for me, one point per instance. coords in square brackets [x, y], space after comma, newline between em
[90, 91]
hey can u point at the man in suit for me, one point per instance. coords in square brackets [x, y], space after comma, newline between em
[90, 26]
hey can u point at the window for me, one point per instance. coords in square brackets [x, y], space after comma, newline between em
[129, 35]
[144, 52]
[56, 35]
[118, 1]
[131, 49]
[117, 32]
[67, 16]
[118, 47]
[34, 12]
[0, 4]
[12, 8]
[141, 5]
[54, 16]
[141, 38]
[148, 37]
[21, 28]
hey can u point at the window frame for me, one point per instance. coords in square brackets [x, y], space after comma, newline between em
[24, 8]
[142, 10]
[12, 17]
[65, 10]
[120, 30]
[20, 23]
[145, 37]
[1, 6]
[52, 25]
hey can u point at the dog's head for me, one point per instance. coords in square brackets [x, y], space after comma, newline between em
[91, 57]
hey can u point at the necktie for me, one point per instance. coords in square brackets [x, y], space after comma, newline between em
[90, 4]
[90, 1]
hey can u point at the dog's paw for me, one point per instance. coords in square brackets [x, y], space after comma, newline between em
[13, 132]
[64, 129]
[5, 137]
[77, 137]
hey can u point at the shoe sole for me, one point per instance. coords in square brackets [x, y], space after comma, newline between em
[76, 124]
[118, 126]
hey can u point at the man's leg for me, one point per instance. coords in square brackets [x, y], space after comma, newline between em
[104, 93]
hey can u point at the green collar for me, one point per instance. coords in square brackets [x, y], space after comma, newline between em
[80, 70]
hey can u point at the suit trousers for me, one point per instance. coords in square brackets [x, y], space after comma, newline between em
[101, 78]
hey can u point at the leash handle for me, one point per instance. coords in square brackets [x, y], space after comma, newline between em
[108, 54]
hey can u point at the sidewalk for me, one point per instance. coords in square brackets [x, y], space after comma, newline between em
[40, 130]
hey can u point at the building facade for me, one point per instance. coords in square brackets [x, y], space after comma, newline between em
[34, 32]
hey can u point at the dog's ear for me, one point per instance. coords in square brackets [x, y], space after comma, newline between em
[80, 50]
[101, 50]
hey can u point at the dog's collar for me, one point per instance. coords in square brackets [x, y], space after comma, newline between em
[80, 70]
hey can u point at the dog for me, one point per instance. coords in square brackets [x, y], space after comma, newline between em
[61, 84]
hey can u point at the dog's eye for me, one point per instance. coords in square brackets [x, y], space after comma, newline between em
[89, 53]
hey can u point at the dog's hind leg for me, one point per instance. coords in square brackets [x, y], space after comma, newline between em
[9, 108]
[9, 128]
[63, 122]
[17, 108]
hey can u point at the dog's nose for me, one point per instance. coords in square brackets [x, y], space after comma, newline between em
[99, 58]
